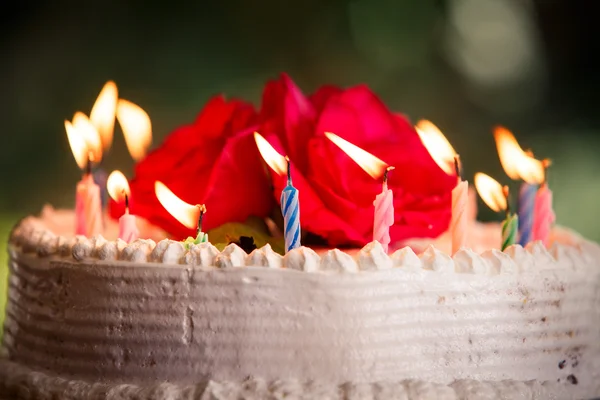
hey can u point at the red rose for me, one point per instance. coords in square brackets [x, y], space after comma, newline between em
[213, 161]
[336, 195]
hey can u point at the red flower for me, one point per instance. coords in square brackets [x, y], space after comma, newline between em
[213, 161]
[336, 195]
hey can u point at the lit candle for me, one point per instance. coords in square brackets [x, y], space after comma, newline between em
[384, 213]
[290, 196]
[497, 198]
[86, 147]
[136, 126]
[519, 164]
[188, 215]
[383, 217]
[446, 158]
[543, 216]
[118, 189]
[290, 208]
[102, 117]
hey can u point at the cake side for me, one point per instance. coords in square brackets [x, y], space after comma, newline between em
[106, 311]
[138, 323]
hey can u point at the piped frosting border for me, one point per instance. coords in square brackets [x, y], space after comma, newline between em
[31, 236]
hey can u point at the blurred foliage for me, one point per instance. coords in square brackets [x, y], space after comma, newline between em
[467, 65]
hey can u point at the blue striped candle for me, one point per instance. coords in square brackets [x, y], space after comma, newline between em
[526, 205]
[290, 208]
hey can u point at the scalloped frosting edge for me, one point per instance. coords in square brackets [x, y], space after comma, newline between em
[32, 237]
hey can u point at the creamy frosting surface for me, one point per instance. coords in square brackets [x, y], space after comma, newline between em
[102, 310]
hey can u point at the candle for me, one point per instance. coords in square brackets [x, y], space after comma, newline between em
[290, 196]
[102, 117]
[290, 208]
[527, 195]
[520, 165]
[88, 207]
[543, 216]
[188, 215]
[496, 197]
[383, 217]
[86, 147]
[118, 189]
[384, 213]
[446, 158]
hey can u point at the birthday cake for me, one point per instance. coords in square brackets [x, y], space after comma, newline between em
[128, 314]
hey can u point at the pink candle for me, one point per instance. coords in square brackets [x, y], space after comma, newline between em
[128, 230]
[543, 214]
[458, 223]
[88, 207]
[118, 189]
[384, 214]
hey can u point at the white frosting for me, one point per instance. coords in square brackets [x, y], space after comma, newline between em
[522, 258]
[138, 251]
[264, 257]
[302, 259]
[337, 260]
[469, 262]
[201, 255]
[22, 383]
[500, 263]
[373, 257]
[406, 258]
[232, 256]
[111, 251]
[435, 260]
[543, 259]
[168, 252]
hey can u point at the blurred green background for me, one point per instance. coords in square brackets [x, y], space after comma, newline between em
[467, 65]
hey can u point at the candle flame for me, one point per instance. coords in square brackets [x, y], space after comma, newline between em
[437, 145]
[84, 140]
[367, 161]
[136, 127]
[491, 192]
[117, 186]
[103, 113]
[517, 163]
[276, 161]
[183, 212]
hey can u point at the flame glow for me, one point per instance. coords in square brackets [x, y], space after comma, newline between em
[437, 145]
[117, 186]
[276, 161]
[183, 212]
[367, 161]
[103, 113]
[84, 140]
[491, 192]
[136, 127]
[517, 163]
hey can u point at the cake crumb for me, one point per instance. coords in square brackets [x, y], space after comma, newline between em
[543, 319]
[572, 379]
[562, 364]
[441, 299]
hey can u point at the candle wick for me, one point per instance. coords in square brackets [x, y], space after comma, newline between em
[88, 165]
[200, 218]
[386, 173]
[289, 172]
[546, 163]
[126, 202]
[506, 196]
[457, 168]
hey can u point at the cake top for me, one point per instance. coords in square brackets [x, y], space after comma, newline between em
[49, 236]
